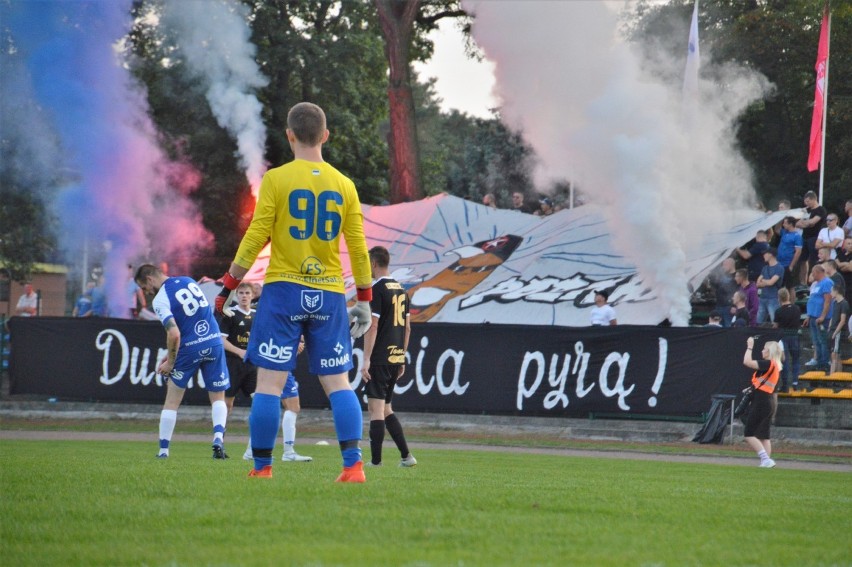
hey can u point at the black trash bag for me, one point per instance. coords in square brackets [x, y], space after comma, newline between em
[718, 418]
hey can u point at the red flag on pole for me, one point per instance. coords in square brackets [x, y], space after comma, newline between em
[819, 95]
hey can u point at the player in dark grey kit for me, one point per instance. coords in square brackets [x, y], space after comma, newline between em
[385, 344]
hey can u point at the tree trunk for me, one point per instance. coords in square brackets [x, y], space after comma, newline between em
[397, 22]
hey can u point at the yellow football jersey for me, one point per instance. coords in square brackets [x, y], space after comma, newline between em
[304, 207]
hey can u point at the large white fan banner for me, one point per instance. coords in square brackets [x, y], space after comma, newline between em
[462, 262]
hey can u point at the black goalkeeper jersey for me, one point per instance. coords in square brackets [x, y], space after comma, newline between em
[236, 329]
[390, 303]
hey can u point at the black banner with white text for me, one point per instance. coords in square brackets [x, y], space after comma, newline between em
[459, 368]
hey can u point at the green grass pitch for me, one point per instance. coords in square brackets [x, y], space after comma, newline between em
[113, 503]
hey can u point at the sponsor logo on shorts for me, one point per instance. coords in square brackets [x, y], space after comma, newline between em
[176, 375]
[311, 300]
[204, 355]
[274, 353]
[311, 316]
[291, 391]
[334, 361]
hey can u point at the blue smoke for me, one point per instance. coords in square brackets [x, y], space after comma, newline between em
[67, 47]
[116, 191]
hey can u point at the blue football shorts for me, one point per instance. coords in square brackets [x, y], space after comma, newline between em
[211, 362]
[291, 388]
[287, 311]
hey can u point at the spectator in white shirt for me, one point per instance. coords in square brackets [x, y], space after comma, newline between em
[27, 305]
[602, 314]
[831, 236]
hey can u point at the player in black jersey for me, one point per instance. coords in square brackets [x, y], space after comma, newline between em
[385, 344]
[235, 327]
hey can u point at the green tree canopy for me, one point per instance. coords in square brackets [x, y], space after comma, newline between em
[329, 53]
[30, 176]
[467, 156]
[189, 131]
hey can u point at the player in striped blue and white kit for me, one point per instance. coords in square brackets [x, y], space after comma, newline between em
[193, 343]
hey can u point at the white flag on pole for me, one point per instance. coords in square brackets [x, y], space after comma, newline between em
[690, 77]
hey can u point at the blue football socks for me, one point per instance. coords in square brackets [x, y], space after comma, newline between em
[348, 422]
[263, 427]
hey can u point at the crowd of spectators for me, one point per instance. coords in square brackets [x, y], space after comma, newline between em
[804, 261]
[543, 206]
[783, 257]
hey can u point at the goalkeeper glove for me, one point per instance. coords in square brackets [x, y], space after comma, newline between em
[229, 284]
[360, 315]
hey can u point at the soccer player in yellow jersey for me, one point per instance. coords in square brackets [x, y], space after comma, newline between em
[303, 207]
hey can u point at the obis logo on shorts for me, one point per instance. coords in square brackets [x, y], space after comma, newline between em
[274, 353]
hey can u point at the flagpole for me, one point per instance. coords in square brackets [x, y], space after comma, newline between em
[825, 109]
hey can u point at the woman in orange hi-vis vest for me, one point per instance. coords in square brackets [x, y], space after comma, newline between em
[764, 380]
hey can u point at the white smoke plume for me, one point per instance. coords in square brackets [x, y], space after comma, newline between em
[585, 100]
[214, 38]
